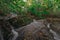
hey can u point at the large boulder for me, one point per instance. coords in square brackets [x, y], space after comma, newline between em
[36, 30]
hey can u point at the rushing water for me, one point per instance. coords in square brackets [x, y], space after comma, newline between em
[56, 36]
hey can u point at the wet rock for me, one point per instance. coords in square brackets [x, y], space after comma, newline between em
[56, 27]
[37, 30]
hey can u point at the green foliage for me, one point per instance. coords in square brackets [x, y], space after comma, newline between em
[36, 7]
[24, 9]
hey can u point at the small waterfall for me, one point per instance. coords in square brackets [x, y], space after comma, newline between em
[56, 36]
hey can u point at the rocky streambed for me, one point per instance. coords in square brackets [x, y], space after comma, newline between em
[37, 30]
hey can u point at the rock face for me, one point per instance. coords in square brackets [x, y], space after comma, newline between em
[37, 30]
